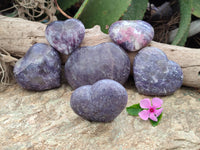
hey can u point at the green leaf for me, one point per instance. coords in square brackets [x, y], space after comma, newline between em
[134, 109]
[185, 10]
[155, 123]
[103, 12]
[136, 10]
[196, 8]
[65, 4]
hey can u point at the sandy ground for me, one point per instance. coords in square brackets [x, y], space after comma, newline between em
[44, 120]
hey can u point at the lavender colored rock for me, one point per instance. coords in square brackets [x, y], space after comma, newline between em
[87, 65]
[39, 69]
[131, 35]
[100, 102]
[65, 36]
[154, 74]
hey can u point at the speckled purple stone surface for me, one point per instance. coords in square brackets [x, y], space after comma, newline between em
[131, 35]
[100, 102]
[87, 65]
[39, 69]
[65, 36]
[154, 74]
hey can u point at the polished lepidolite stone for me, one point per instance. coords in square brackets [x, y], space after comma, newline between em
[101, 102]
[65, 36]
[154, 74]
[39, 69]
[132, 35]
[87, 65]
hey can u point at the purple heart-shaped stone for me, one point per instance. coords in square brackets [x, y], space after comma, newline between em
[65, 36]
[39, 69]
[101, 102]
[154, 74]
[132, 35]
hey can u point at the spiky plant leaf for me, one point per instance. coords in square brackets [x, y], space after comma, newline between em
[136, 10]
[196, 8]
[185, 10]
[103, 12]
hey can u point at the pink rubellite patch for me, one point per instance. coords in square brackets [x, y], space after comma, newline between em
[132, 35]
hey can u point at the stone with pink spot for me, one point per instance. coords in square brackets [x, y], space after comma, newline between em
[132, 35]
[65, 36]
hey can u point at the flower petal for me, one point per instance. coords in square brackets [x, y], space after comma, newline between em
[153, 117]
[145, 103]
[157, 102]
[144, 114]
[158, 112]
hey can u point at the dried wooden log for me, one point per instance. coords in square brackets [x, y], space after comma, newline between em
[17, 35]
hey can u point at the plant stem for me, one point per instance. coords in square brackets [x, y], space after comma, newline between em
[80, 10]
[61, 11]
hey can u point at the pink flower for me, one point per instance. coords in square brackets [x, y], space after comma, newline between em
[151, 111]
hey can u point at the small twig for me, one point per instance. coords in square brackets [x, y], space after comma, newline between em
[1, 49]
[7, 9]
[6, 57]
[6, 60]
[26, 4]
[2, 73]
[61, 11]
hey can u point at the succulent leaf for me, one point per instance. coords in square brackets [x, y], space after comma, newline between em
[196, 8]
[185, 10]
[136, 10]
[103, 12]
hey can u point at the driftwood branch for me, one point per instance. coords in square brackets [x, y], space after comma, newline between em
[17, 35]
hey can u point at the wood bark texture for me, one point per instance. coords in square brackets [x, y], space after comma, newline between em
[17, 35]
